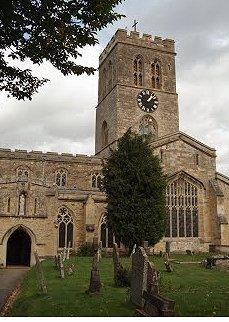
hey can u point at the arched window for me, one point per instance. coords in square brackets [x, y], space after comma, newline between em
[96, 181]
[148, 125]
[104, 134]
[156, 75]
[138, 71]
[65, 228]
[22, 204]
[61, 178]
[106, 235]
[23, 174]
[182, 209]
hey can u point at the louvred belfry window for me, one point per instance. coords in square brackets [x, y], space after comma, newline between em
[156, 75]
[182, 209]
[65, 228]
[138, 71]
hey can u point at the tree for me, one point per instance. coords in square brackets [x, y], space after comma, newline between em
[135, 188]
[48, 30]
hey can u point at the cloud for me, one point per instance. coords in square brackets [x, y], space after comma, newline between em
[61, 116]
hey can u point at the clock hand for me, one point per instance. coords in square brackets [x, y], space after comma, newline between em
[149, 99]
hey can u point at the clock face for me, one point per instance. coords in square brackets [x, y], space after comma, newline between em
[147, 101]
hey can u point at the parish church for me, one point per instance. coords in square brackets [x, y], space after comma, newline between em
[49, 200]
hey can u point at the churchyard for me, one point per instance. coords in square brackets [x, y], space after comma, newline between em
[86, 287]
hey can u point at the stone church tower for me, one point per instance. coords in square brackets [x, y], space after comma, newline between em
[127, 66]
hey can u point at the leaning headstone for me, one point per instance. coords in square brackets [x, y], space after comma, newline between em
[95, 283]
[40, 275]
[156, 305]
[138, 276]
[133, 250]
[95, 243]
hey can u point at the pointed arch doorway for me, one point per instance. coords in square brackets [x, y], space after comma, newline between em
[19, 248]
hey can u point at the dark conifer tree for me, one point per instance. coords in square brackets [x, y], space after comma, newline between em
[135, 188]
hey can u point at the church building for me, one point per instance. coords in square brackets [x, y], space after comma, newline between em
[49, 200]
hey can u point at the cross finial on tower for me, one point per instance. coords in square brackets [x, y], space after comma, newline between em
[135, 25]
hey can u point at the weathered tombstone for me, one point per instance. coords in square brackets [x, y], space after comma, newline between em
[166, 256]
[68, 250]
[156, 305]
[138, 276]
[133, 250]
[168, 267]
[95, 283]
[40, 275]
[168, 247]
[70, 269]
[152, 279]
[61, 265]
[95, 243]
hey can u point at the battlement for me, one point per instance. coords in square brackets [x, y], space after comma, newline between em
[134, 38]
[47, 156]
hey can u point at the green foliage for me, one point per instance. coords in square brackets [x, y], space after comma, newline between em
[48, 30]
[135, 188]
[85, 250]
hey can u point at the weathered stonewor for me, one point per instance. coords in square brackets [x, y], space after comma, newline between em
[95, 283]
[40, 275]
[152, 279]
[156, 305]
[139, 276]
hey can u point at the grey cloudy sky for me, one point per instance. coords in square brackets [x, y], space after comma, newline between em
[61, 117]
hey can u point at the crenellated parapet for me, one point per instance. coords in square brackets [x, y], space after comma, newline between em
[47, 156]
[134, 38]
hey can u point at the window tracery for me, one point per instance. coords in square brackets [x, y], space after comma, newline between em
[148, 125]
[61, 178]
[106, 235]
[22, 174]
[156, 75]
[65, 228]
[96, 181]
[138, 71]
[181, 209]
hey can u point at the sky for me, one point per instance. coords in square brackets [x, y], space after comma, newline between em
[61, 117]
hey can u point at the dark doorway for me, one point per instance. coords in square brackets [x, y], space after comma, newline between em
[18, 248]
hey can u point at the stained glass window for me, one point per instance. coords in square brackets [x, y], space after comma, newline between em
[182, 209]
[65, 228]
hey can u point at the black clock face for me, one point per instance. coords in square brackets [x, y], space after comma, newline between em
[147, 101]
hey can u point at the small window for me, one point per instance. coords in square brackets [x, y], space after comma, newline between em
[138, 71]
[8, 204]
[23, 174]
[156, 75]
[96, 181]
[61, 178]
[196, 159]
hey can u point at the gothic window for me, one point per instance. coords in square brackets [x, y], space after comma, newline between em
[182, 209]
[104, 134]
[22, 204]
[138, 71]
[148, 125]
[61, 178]
[106, 235]
[23, 174]
[156, 78]
[65, 228]
[96, 181]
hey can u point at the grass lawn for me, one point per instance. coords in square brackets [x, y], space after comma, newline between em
[197, 291]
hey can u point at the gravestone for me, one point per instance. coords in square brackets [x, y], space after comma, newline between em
[138, 276]
[95, 243]
[152, 279]
[133, 250]
[40, 275]
[168, 247]
[95, 283]
[168, 267]
[156, 305]
[61, 265]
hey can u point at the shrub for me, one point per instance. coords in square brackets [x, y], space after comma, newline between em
[86, 250]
